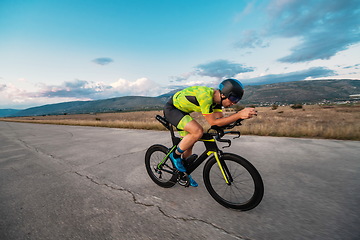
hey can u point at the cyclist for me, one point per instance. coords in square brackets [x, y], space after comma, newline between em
[209, 102]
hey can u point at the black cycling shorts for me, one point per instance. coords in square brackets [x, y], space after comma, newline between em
[177, 117]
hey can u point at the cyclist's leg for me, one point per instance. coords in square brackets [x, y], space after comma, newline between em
[177, 118]
[184, 121]
[187, 153]
[174, 115]
[194, 132]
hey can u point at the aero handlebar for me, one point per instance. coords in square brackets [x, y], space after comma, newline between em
[219, 132]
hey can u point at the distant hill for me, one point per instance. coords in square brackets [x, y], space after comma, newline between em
[130, 103]
[315, 91]
[8, 112]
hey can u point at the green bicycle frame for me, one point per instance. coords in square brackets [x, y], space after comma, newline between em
[211, 149]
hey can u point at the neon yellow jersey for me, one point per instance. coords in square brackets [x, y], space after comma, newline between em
[196, 99]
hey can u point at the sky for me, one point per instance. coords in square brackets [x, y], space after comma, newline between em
[58, 51]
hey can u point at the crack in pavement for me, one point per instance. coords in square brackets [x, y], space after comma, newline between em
[63, 162]
[132, 194]
[114, 157]
[163, 212]
[34, 149]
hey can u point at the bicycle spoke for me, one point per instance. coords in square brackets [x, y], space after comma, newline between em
[240, 190]
[160, 171]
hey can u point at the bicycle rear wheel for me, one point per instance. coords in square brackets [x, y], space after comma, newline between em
[245, 191]
[162, 174]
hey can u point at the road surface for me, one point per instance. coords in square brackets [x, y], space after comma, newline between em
[69, 182]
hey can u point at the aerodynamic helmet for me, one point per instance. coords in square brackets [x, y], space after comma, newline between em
[232, 89]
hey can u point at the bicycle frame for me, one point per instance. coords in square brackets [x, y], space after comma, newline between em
[242, 187]
[211, 149]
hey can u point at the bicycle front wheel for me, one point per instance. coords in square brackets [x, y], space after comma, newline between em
[160, 171]
[245, 191]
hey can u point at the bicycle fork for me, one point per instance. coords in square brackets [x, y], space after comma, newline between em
[223, 168]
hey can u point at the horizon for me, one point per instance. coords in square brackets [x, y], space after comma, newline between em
[159, 95]
[66, 51]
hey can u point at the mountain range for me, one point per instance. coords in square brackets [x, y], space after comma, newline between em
[307, 91]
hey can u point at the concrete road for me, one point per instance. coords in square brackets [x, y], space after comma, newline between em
[68, 182]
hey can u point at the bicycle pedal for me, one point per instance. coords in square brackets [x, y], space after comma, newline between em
[184, 180]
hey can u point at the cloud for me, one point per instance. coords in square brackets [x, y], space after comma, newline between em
[98, 90]
[9, 91]
[323, 27]
[221, 69]
[251, 39]
[356, 66]
[75, 89]
[208, 74]
[246, 11]
[14, 97]
[182, 77]
[315, 72]
[103, 61]
[140, 87]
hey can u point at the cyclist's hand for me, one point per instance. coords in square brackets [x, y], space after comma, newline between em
[247, 113]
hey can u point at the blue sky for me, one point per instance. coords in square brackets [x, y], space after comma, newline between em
[57, 51]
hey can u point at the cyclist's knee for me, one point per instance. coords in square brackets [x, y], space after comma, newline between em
[197, 132]
[195, 129]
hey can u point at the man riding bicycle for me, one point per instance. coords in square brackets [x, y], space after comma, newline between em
[209, 102]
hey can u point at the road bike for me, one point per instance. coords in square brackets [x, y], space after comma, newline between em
[229, 178]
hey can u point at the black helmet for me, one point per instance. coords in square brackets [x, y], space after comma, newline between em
[232, 89]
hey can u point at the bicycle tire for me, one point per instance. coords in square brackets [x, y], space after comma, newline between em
[154, 155]
[244, 193]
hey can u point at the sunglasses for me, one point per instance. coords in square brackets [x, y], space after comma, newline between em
[234, 99]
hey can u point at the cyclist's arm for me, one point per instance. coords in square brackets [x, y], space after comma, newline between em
[218, 114]
[213, 119]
